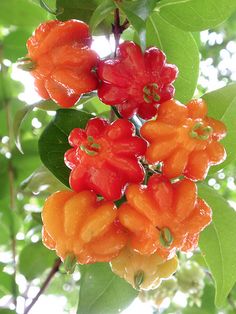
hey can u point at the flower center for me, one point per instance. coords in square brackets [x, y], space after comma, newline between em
[138, 279]
[91, 148]
[166, 237]
[150, 93]
[200, 132]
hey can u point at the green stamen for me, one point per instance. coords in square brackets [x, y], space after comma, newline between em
[205, 131]
[166, 237]
[138, 279]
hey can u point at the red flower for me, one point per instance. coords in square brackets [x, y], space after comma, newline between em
[136, 82]
[105, 157]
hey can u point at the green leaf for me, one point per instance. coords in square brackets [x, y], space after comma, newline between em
[4, 174]
[53, 142]
[222, 106]
[101, 12]
[102, 292]
[34, 260]
[22, 13]
[6, 311]
[83, 10]
[95, 106]
[137, 13]
[10, 220]
[50, 3]
[5, 230]
[64, 285]
[192, 15]
[22, 114]
[9, 89]
[6, 284]
[217, 243]
[14, 45]
[25, 164]
[207, 303]
[42, 180]
[180, 49]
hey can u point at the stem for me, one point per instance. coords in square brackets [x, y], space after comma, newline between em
[117, 28]
[6, 105]
[12, 203]
[44, 5]
[113, 108]
[53, 271]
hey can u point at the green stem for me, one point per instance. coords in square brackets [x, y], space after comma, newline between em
[44, 5]
[6, 105]
[116, 112]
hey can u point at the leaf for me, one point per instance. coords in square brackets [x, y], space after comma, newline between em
[102, 292]
[101, 13]
[34, 260]
[222, 106]
[192, 15]
[217, 243]
[95, 106]
[137, 13]
[180, 49]
[6, 311]
[66, 286]
[5, 231]
[22, 114]
[25, 164]
[22, 13]
[6, 284]
[42, 180]
[207, 303]
[53, 142]
[10, 220]
[83, 10]
[3, 174]
[50, 3]
[14, 44]
[9, 89]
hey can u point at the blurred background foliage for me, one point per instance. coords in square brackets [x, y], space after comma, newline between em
[25, 182]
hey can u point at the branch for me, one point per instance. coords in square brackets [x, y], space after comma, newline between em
[117, 28]
[12, 193]
[53, 271]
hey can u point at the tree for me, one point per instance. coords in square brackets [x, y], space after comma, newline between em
[29, 174]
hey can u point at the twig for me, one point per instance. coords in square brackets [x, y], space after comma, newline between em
[53, 271]
[11, 181]
[117, 28]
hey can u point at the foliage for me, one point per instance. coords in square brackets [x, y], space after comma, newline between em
[40, 131]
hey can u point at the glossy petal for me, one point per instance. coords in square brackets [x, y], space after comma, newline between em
[108, 158]
[129, 167]
[120, 129]
[111, 94]
[96, 126]
[112, 72]
[135, 81]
